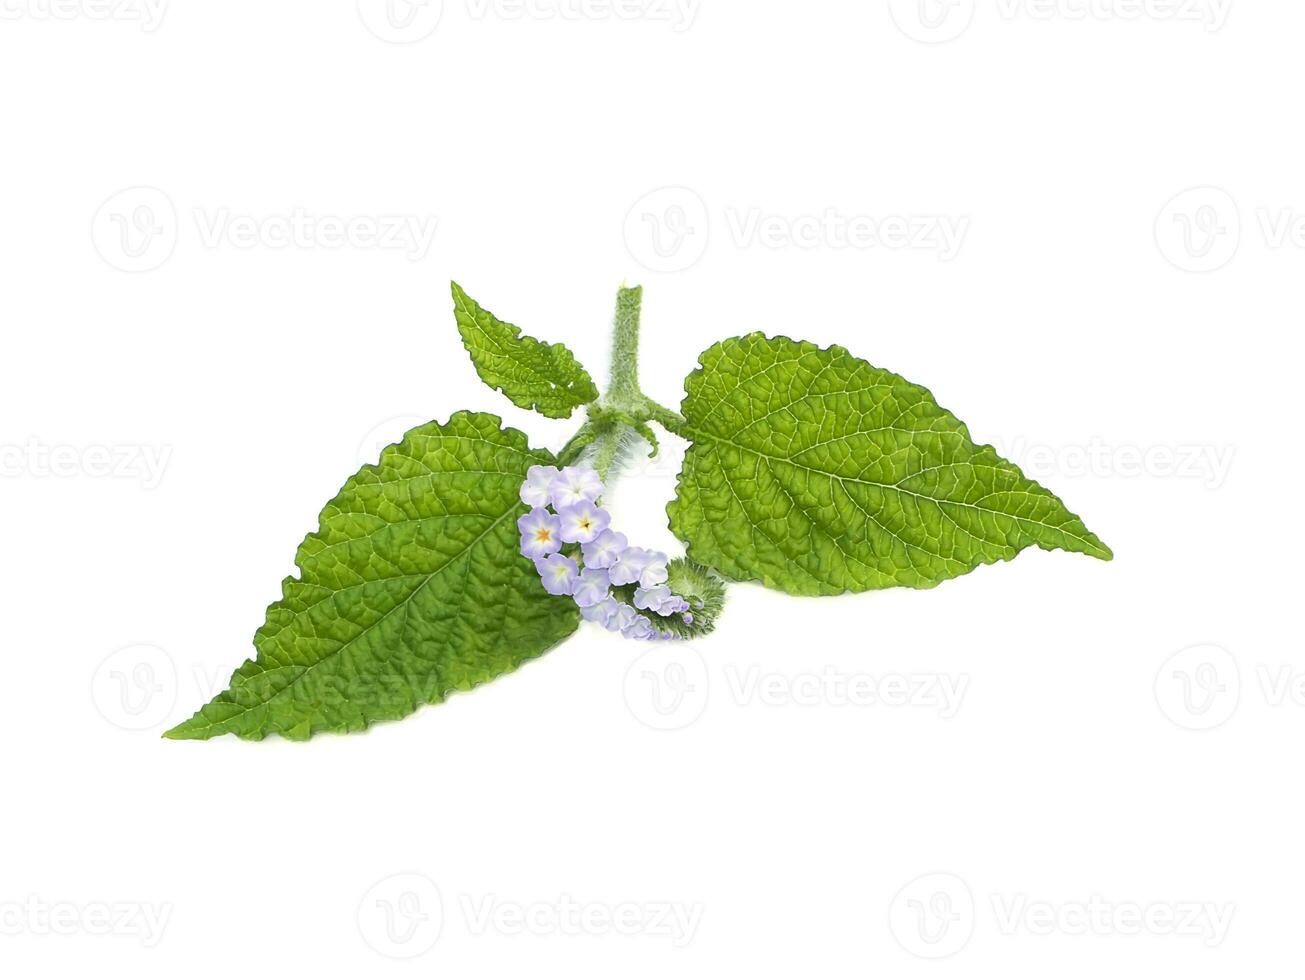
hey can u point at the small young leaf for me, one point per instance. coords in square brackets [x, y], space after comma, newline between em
[534, 375]
[412, 587]
[817, 473]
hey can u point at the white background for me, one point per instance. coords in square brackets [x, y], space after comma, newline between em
[1125, 740]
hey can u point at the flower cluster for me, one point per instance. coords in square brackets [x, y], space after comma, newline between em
[611, 581]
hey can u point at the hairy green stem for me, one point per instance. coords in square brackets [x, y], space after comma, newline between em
[624, 409]
[668, 419]
[576, 445]
[607, 451]
[611, 429]
[623, 387]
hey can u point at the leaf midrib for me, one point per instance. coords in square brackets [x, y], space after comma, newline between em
[552, 386]
[1091, 548]
[344, 646]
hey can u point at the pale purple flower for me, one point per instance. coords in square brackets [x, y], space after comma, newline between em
[659, 599]
[654, 570]
[654, 598]
[534, 492]
[593, 587]
[558, 573]
[608, 559]
[602, 612]
[628, 566]
[622, 618]
[540, 533]
[574, 485]
[638, 627]
[603, 550]
[583, 522]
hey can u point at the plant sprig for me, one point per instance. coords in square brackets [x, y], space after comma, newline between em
[808, 471]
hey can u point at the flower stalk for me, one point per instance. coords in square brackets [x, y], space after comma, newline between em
[618, 422]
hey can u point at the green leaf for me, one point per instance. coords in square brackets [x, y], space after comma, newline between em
[534, 375]
[412, 587]
[817, 473]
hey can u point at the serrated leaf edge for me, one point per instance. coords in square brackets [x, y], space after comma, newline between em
[187, 730]
[768, 581]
